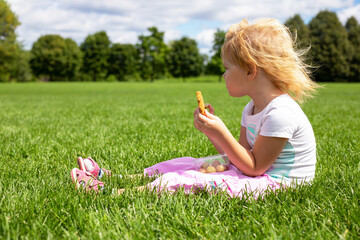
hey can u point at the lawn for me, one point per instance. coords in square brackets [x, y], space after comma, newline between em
[127, 127]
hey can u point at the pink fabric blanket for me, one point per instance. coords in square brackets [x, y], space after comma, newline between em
[181, 173]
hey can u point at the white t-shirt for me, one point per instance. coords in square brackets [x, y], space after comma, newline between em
[284, 118]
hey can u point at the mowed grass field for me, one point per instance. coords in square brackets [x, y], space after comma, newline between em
[127, 127]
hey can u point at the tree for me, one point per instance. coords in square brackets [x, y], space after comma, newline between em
[301, 35]
[123, 60]
[47, 58]
[184, 58]
[95, 50]
[22, 70]
[330, 47]
[215, 65]
[353, 29]
[299, 30]
[10, 50]
[152, 52]
[73, 63]
[55, 58]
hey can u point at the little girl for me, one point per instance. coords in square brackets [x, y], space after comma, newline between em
[277, 145]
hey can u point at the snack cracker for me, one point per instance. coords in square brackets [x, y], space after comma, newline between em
[201, 102]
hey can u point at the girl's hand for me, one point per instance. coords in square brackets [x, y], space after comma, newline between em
[196, 123]
[211, 109]
[210, 125]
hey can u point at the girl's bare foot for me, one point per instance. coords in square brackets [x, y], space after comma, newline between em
[121, 191]
[134, 175]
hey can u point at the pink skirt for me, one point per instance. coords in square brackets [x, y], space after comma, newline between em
[181, 173]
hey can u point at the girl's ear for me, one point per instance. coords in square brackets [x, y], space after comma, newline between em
[251, 71]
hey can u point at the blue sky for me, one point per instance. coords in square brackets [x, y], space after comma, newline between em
[125, 20]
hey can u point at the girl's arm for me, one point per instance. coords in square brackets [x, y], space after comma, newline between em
[252, 162]
[256, 161]
[216, 145]
[242, 140]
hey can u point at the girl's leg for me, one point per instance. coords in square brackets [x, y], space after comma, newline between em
[122, 190]
[135, 175]
[232, 181]
[177, 164]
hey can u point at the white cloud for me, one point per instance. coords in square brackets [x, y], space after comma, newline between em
[123, 37]
[206, 37]
[172, 35]
[124, 20]
[205, 40]
[345, 14]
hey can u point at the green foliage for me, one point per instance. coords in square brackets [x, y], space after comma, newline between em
[55, 58]
[152, 50]
[330, 47]
[13, 63]
[9, 21]
[95, 50]
[353, 29]
[299, 30]
[127, 127]
[219, 38]
[123, 61]
[74, 59]
[184, 58]
[48, 57]
[300, 33]
[334, 52]
[22, 70]
[215, 65]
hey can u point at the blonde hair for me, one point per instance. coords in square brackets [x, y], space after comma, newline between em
[268, 44]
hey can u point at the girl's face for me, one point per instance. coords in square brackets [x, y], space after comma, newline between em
[236, 79]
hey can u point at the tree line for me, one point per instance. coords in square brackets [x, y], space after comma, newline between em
[334, 52]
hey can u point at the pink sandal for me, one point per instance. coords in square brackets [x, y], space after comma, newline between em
[92, 167]
[85, 180]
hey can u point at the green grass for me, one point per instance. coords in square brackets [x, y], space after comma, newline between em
[127, 127]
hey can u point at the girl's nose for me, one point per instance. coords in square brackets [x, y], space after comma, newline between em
[224, 75]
